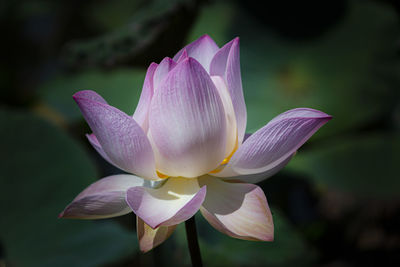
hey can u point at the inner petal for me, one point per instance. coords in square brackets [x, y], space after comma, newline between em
[187, 122]
[231, 128]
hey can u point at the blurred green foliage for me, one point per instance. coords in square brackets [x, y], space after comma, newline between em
[121, 88]
[217, 249]
[366, 166]
[150, 23]
[42, 170]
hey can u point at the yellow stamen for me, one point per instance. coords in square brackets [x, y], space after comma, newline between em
[217, 170]
[226, 160]
[162, 176]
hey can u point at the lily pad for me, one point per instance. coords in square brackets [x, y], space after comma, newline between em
[42, 171]
[364, 165]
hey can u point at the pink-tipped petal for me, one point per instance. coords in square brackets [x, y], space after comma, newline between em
[91, 95]
[176, 201]
[103, 199]
[226, 63]
[150, 238]
[231, 130]
[238, 210]
[187, 122]
[183, 56]
[96, 145]
[203, 50]
[121, 138]
[273, 144]
[142, 110]
[166, 65]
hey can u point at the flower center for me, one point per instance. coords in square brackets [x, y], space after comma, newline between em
[161, 175]
[217, 170]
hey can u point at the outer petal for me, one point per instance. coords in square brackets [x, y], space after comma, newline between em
[91, 95]
[150, 238]
[258, 177]
[103, 199]
[226, 63]
[96, 145]
[231, 130]
[187, 122]
[273, 144]
[120, 136]
[162, 70]
[203, 50]
[142, 109]
[238, 210]
[176, 201]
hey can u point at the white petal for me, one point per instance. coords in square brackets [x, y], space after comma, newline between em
[231, 130]
[176, 201]
[226, 63]
[103, 199]
[238, 210]
[150, 238]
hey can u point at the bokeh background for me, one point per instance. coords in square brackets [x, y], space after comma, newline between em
[337, 203]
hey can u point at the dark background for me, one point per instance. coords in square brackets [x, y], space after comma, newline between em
[337, 203]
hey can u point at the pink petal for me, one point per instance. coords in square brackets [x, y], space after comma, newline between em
[238, 210]
[162, 70]
[121, 138]
[91, 95]
[226, 63]
[187, 122]
[183, 56]
[231, 130]
[96, 145]
[102, 199]
[273, 144]
[176, 201]
[142, 109]
[203, 50]
[150, 238]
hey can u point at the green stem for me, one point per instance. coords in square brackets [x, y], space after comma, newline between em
[193, 243]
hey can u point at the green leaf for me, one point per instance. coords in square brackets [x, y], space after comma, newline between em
[120, 88]
[42, 171]
[363, 165]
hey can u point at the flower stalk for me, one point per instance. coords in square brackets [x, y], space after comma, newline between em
[193, 243]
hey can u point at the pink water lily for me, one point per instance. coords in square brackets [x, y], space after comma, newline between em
[185, 149]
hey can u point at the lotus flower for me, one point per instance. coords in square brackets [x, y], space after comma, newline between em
[185, 149]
